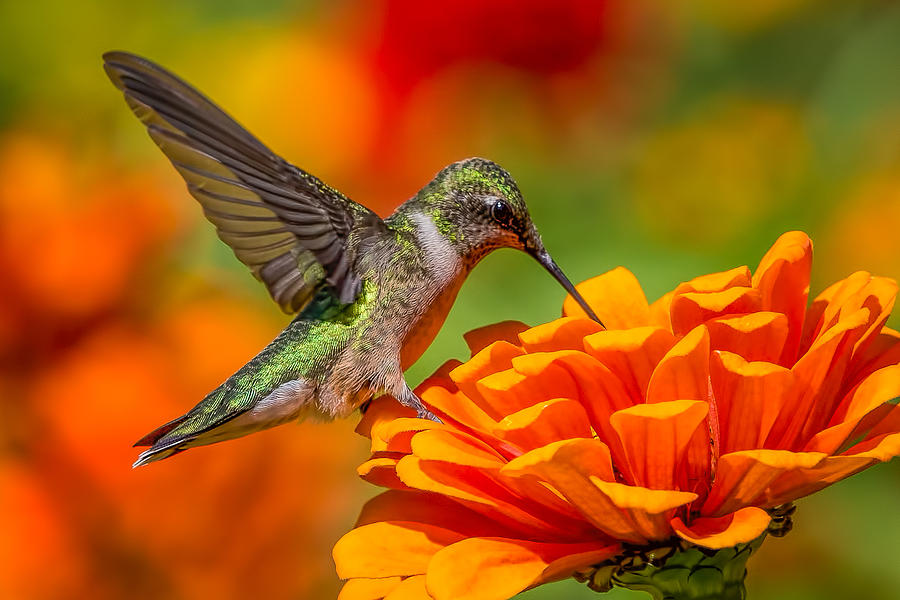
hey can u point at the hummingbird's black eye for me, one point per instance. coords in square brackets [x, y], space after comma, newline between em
[502, 213]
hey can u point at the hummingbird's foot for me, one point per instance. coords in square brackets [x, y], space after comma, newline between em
[424, 413]
[408, 398]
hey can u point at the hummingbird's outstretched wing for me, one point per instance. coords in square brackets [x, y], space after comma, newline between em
[293, 231]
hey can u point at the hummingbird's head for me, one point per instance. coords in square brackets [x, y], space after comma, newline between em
[477, 206]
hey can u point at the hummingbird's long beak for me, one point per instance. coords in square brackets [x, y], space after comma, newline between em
[543, 257]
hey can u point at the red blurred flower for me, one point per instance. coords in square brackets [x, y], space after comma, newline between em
[687, 418]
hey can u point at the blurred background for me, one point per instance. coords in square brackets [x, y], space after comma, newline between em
[673, 138]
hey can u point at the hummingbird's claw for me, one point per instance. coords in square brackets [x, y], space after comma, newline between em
[408, 398]
[424, 413]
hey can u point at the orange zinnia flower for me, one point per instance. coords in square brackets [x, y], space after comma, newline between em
[687, 420]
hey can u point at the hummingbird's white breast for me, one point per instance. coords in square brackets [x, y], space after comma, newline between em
[446, 270]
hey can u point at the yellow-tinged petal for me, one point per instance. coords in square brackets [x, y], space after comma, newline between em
[716, 282]
[758, 336]
[782, 278]
[882, 448]
[545, 422]
[565, 333]
[690, 309]
[389, 548]
[368, 589]
[655, 438]
[499, 568]
[481, 338]
[860, 290]
[394, 436]
[411, 588]
[631, 354]
[493, 359]
[455, 447]
[648, 510]
[730, 530]
[615, 296]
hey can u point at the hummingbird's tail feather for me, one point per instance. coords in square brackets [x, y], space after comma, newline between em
[151, 438]
[236, 408]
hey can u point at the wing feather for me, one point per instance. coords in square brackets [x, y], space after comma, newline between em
[294, 232]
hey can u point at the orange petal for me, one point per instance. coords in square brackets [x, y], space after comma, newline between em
[600, 392]
[860, 290]
[655, 438]
[389, 548]
[631, 354]
[545, 422]
[683, 373]
[758, 336]
[507, 331]
[368, 589]
[883, 351]
[730, 530]
[791, 485]
[427, 508]
[566, 333]
[457, 407]
[411, 588]
[499, 568]
[782, 278]
[394, 436]
[481, 492]
[565, 465]
[382, 471]
[455, 447]
[383, 409]
[493, 359]
[566, 566]
[691, 309]
[749, 397]
[509, 391]
[869, 404]
[615, 296]
[581, 471]
[546, 375]
[743, 478]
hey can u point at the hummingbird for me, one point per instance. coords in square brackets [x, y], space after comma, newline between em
[369, 294]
